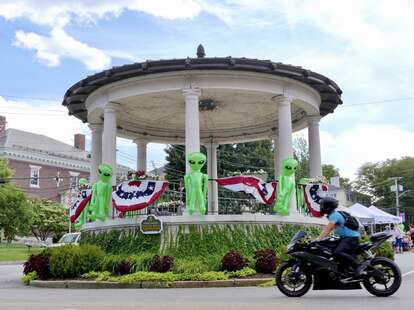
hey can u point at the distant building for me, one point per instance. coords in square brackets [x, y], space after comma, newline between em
[347, 197]
[45, 167]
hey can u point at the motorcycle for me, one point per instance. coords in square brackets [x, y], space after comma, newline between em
[312, 263]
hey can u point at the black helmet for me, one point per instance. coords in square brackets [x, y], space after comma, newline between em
[327, 205]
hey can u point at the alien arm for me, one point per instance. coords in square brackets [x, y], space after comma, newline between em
[205, 185]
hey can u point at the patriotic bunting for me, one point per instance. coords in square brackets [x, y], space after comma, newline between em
[313, 194]
[76, 208]
[137, 195]
[263, 192]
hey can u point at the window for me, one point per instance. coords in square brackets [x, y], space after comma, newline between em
[34, 176]
[73, 180]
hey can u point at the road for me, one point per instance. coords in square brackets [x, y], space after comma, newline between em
[15, 296]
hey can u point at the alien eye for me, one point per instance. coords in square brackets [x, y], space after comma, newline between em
[201, 162]
[288, 167]
[191, 162]
[107, 174]
[99, 171]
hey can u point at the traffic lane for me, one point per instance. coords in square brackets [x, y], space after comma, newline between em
[10, 276]
[210, 298]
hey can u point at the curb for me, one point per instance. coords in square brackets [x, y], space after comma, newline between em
[80, 284]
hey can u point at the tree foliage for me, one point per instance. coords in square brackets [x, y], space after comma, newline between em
[15, 216]
[374, 180]
[49, 218]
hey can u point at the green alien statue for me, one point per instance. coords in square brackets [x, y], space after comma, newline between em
[83, 217]
[196, 184]
[102, 194]
[286, 186]
[300, 195]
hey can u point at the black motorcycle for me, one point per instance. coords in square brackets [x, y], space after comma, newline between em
[312, 262]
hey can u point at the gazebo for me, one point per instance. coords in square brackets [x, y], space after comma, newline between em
[202, 101]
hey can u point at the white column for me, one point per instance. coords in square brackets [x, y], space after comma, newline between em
[276, 157]
[285, 138]
[109, 137]
[192, 122]
[212, 174]
[285, 129]
[315, 161]
[96, 151]
[214, 203]
[141, 154]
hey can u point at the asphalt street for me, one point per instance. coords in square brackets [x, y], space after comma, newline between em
[14, 295]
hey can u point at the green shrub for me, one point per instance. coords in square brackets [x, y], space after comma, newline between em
[147, 276]
[141, 262]
[212, 276]
[191, 266]
[72, 261]
[385, 250]
[98, 276]
[245, 272]
[110, 262]
[29, 277]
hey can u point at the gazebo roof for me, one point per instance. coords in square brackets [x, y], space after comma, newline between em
[76, 95]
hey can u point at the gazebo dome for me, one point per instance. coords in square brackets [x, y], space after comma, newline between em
[238, 97]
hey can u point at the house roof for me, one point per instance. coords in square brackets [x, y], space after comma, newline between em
[28, 141]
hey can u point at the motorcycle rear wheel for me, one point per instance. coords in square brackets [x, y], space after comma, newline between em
[374, 285]
[291, 283]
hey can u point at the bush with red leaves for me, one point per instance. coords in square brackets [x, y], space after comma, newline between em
[265, 261]
[161, 264]
[38, 263]
[123, 267]
[233, 261]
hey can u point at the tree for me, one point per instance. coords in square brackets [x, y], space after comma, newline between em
[301, 154]
[49, 219]
[15, 216]
[374, 180]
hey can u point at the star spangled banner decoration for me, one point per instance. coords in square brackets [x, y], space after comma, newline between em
[137, 195]
[263, 192]
[77, 206]
[313, 194]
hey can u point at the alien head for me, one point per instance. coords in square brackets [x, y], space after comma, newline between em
[83, 183]
[289, 166]
[196, 161]
[105, 172]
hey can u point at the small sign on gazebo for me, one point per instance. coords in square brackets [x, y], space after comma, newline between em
[151, 225]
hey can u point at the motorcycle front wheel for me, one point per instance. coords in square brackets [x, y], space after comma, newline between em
[291, 282]
[386, 285]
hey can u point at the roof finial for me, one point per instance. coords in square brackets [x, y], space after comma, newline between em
[200, 51]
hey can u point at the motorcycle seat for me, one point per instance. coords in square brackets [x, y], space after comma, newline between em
[379, 236]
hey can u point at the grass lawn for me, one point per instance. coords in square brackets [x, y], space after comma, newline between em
[15, 252]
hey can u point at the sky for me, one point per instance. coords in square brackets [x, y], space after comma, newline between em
[366, 47]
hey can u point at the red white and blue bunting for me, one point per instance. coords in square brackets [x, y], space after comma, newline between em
[137, 195]
[76, 207]
[263, 192]
[313, 194]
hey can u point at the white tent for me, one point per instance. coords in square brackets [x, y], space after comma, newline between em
[364, 218]
[391, 218]
[377, 218]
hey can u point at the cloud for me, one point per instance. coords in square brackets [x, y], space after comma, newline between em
[33, 117]
[59, 45]
[365, 143]
[59, 13]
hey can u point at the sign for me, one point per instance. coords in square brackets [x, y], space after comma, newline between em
[394, 188]
[151, 225]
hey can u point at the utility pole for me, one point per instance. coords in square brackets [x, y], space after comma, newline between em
[397, 194]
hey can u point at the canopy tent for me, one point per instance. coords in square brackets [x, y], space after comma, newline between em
[391, 218]
[364, 218]
[378, 219]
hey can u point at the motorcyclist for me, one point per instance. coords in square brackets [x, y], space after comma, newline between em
[349, 238]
